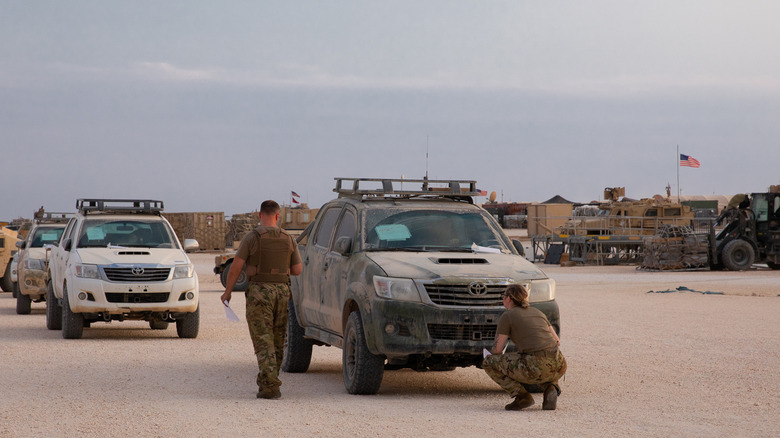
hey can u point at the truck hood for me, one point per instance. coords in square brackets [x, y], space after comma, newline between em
[432, 265]
[132, 256]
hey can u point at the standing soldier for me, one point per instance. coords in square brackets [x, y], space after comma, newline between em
[271, 256]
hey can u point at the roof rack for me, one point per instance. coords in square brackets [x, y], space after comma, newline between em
[394, 187]
[86, 206]
[51, 217]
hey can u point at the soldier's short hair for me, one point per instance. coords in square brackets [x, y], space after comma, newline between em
[269, 207]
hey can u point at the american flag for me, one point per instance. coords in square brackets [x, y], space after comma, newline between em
[689, 161]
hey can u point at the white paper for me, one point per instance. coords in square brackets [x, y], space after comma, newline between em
[485, 353]
[477, 248]
[231, 315]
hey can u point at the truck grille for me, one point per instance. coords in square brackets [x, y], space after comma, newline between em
[134, 297]
[460, 294]
[127, 274]
[463, 332]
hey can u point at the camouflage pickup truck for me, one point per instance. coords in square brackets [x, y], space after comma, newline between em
[405, 278]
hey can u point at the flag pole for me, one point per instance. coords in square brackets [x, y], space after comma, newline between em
[678, 173]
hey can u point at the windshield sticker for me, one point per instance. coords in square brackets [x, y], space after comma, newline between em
[95, 233]
[50, 236]
[393, 232]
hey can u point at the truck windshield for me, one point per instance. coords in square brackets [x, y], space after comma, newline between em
[130, 233]
[45, 236]
[428, 230]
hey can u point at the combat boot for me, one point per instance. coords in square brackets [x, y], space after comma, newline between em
[550, 398]
[269, 393]
[522, 401]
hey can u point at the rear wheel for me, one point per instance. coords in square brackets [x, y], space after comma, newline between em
[23, 304]
[188, 326]
[53, 310]
[72, 323]
[773, 265]
[738, 255]
[241, 284]
[297, 350]
[362, 370]
[156, 324]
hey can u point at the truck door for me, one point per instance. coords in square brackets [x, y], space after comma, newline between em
[59, 257]
[313, 268]
[334, 274]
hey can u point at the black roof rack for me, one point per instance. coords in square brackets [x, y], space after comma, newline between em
[394, 187]
[86, 206]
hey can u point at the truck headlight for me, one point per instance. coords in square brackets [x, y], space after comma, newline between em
[87, 271]
[401, 289]
[541, 290]
[34, 264]
[183, 271]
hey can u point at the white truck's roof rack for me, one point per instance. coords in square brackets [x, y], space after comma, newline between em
[86, 206]
[51, 217]
[397, 187]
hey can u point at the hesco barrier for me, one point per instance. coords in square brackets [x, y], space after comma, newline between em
[208, 228]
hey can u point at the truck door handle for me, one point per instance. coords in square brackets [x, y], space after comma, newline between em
[306, 260]
[325, 266]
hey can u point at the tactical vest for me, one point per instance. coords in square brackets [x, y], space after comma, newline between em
[272, 263]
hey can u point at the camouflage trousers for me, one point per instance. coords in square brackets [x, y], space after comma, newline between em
[511, 370]
[266, 315]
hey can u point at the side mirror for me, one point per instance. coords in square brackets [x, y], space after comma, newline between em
[191, 245]
[67, 244]
[343, 245]
[21, 244]
[519, 246]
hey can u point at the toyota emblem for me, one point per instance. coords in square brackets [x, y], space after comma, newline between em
[477, 288]
[138, 271]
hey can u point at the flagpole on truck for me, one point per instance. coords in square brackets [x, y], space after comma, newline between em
[678, 173]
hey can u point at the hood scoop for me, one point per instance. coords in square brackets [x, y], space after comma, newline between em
[459, 261]
[133, 253]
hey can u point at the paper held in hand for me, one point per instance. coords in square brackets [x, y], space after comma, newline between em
[231, 315]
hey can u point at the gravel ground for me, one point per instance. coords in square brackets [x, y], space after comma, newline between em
[640, 364]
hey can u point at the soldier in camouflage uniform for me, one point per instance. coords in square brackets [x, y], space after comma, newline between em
[538, 360]
[270, 255]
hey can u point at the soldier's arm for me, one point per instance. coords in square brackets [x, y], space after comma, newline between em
[499, 344]
[232, 277]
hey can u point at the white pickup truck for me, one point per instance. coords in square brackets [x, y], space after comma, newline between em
[119, 259]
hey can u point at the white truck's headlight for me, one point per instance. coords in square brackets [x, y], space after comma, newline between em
[87, 271]
[34, 264]
[541, 290]
[401, 289]
[183, 271]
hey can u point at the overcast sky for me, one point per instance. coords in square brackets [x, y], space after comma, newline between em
[216, 106]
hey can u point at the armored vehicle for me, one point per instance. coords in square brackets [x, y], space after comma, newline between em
[33, 258]
[628, 217]
[751, 233]
[405, 278]
[119, 259]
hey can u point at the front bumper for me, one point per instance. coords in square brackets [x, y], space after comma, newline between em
[34, 284]
[400, 329]
[100, 296]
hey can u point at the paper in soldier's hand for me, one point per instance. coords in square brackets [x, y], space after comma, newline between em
[229, 313]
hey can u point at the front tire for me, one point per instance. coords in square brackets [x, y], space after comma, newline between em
[297, 350]
[362, 369]
[242, 283]
[53, 310]
[189, 325]
[6, 284]
[156, 324]
[15, 292]
[23, 304]
[738, 255]
[72, 323]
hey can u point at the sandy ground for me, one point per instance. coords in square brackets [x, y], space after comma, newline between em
[640, 364]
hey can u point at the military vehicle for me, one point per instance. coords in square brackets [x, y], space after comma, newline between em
[751, 233]
[8, 239]
[293, 219]
[405, 277]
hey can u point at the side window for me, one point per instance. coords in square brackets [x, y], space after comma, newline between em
[325, 229]
[346, 226]
[651, 212]
[68, 230]
[673, 212]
